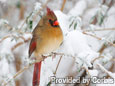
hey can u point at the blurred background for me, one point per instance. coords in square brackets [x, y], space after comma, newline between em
[16, 10]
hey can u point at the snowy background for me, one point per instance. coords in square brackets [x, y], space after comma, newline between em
[88, 47]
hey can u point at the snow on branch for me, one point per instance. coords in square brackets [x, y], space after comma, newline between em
[74, 54]
[112, 75]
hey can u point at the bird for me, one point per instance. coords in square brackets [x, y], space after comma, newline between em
[46, 38]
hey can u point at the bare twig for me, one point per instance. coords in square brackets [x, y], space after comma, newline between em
[20, 43]
[113, 59]
[105, 29]
[18, 67]
[19, 72]
[22, 70]
[64, 1]
[106, 71]
[27, 67]
[58, 65]
[21, 10]
[102, 49]
[92, 35]
[97, 58]
[4, 38]
[8, 36]
[8, 26]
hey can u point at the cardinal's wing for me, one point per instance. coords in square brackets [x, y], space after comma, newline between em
[32, 46]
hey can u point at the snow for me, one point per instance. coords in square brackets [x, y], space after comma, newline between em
[74, 44]
[4, 67]
[3, 1]
[62, 17]
[79, 50]
[93, 73]
[37, 6]
[79, 8]
[2, 21]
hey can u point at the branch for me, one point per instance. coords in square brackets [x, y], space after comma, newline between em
[106, 71]
[8, 26]
[4, 38]
[92, 35]
[109, 6]
[58, 65]
[113, 59]
[22, 70]
[27, 67]
[20, 43]
[105, 29]
[102, 49]
[36, 14]
[8, 36]
[21, 10]
[64, 1]
[19, 72]
[97, 59]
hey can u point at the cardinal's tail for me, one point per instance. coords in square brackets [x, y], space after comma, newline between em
[36, 74]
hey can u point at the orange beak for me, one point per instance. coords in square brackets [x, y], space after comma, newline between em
[56, 23]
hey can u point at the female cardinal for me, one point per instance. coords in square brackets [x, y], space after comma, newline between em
[47, 37]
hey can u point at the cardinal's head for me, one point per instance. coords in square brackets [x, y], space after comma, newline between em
[50, 18]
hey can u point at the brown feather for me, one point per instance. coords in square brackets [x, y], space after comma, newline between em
[46, 39]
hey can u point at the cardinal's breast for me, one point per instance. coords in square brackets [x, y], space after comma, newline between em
[49, 40]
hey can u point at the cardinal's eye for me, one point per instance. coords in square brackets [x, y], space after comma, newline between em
[51, 22]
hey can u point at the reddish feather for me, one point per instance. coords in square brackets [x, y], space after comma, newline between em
[49, 12]
[37, 66]
[32, 47]
[36, 74]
